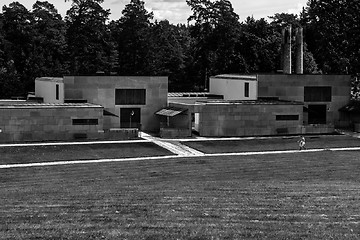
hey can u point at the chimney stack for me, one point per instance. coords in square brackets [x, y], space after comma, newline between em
[299, 68]
[286, 42]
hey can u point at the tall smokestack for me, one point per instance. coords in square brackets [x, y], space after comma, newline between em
[299, 68]
[286, 35]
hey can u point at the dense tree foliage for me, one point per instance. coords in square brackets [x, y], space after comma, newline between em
[333, 34]
[261, 46]
[215, 35]
[166, 54]
[131, 33]
[88, 38]
[39, 42]
[49, 44]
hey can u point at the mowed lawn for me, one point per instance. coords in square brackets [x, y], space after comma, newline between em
[279, 196]
[49, 153]
[274, 144]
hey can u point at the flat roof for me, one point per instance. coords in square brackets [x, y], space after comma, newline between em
[49, 105]
[192, 94]
[251, 102]
[50, 79]
[351, 107]
[170, 111]
[248, 77]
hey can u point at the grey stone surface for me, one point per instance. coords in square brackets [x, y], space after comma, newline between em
[46, 122]
[247, 119]
[291, 87]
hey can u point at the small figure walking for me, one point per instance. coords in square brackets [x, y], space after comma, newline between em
[302, 143]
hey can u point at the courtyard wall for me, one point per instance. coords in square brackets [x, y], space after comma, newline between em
[44, 122]
[248, 118]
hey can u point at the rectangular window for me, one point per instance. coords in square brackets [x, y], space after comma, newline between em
[317, 94]
[247, 86]
[287, 117]
[57, 92]
[92, 121]
[130, 96]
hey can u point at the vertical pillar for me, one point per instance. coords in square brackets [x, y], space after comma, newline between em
[299, 51]
[286, 34]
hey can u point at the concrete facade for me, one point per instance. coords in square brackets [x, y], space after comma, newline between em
[272, 104]
[283, 104]
[232, 87]
[291, 87]
[247, 118]
[101, 90]
[50, 89]
[42, 122]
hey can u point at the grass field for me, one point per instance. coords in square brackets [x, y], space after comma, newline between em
[270, 144]
[314, 195]
[31, 154]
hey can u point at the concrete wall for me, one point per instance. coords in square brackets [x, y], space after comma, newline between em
[174, 133]
[246, 119]
[179, 125]
[46, 88]
[39, 122]
[182, 120]
[101, 90]
[233, 88]
[291, 87]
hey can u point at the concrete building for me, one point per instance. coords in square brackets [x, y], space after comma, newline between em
[248, 118]
[98, 107]
[234, 87]
[51, 90]
[268, 104]
[285, 104]
[230, 118]
[322, 95]
[24, 121]
[129, 101]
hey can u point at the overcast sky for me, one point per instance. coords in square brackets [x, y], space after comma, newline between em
[177, 11]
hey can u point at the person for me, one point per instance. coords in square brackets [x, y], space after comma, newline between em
[302, 143]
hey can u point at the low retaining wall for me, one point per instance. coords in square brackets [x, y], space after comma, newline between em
[174, 133]
[121, 133]
[317, 129]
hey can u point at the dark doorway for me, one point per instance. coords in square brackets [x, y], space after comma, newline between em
[129, 117]
[317, 114]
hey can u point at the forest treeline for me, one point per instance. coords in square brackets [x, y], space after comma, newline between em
[40, 42]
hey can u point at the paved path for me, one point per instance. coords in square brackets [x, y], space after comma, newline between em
[173, 146]
[348, 133]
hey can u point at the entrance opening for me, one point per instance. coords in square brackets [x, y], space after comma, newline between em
[129, 117]
[317, 114]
